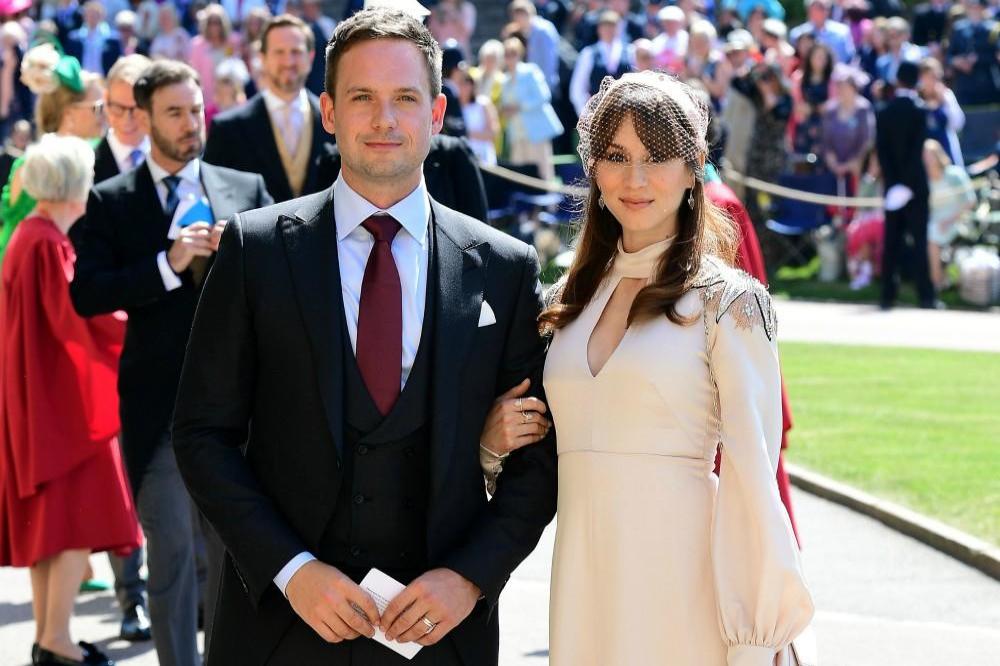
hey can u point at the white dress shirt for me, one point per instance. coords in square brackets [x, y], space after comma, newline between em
[288, 117]
[123, 153]
[190, 185]
[409, 250]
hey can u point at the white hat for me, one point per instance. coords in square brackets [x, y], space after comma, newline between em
[670, 13]
[411, 7]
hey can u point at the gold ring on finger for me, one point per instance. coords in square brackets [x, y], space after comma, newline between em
[430, 625]
[519, 405]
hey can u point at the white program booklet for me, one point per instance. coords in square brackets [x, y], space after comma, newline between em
[383, 589]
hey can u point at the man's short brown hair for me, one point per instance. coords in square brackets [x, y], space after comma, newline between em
[287, 21]
[380, 23]
[160, 74]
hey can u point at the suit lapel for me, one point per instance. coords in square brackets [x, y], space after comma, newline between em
[311, 246]
[221, 198]
[461, 279]
[267, 149]
[149, 199]
[318, 138]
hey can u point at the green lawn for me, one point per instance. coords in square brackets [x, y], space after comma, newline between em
[921, 428]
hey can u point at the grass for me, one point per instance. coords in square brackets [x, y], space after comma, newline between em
[921, 428]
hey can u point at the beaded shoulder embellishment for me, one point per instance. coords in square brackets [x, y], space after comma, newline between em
[725, 289]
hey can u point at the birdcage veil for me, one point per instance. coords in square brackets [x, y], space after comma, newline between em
[669, 116]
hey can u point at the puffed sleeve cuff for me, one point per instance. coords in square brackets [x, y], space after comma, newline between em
[750, 655]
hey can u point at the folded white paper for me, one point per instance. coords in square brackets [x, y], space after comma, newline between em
[384, 589]
[486, 316]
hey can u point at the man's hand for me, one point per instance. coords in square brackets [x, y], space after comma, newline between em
[331, 603]
[441, 595]
[194, 241]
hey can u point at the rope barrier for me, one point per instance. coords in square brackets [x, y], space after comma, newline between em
[730, 174]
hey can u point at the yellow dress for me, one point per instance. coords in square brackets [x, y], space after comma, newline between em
[656, 561]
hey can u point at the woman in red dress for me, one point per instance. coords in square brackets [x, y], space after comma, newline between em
[63, 490]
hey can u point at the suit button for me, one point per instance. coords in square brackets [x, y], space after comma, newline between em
[359, 499]
[362, 450]
[356, 551]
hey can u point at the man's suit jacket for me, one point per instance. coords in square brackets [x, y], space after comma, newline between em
[450, 171]
[242, 138]
[109, 54]
[901, 128]
[105, 164]
[260, 415]
[123, 230]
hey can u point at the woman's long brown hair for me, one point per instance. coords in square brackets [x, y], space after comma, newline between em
[704, 229]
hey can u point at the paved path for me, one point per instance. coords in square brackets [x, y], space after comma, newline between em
[805, 321]
[882, 598]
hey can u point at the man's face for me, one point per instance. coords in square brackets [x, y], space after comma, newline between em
[382, 112]
[287, 61]
[817, 13]
[92, 15]
[176, 123]
[122, 113]
[311, 10]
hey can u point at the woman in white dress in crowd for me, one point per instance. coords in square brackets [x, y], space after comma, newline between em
[661, 353]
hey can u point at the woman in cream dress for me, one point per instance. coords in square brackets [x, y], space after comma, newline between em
[660, 353]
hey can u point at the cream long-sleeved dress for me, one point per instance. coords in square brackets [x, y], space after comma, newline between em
[657, 562]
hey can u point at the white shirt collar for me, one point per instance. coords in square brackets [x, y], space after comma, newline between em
[191, 171]
[275, 103]
[123, 152]
[907, 92]
[350, 209]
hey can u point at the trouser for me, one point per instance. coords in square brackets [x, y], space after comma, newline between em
[165, 514]
[130, 588]
[910, 219]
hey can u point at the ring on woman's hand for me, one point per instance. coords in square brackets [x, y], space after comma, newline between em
[526, 416]
[519, 405]
[430, 625]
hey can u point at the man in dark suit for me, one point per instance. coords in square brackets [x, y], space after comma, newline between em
[94, 44]
[345, 353]
[149, 236]
[278, 133]
[452, 61]
[126, 144]
[123, 148]
[901, 128]
[450, 171]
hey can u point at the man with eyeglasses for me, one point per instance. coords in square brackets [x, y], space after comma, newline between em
[126, 145]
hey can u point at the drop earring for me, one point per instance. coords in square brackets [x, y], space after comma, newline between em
[600, 201]
[691, 198]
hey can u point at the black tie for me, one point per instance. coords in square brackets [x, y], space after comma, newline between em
[171, 183]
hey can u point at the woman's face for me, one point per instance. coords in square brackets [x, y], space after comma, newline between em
[213, 29]
[846, 92]
[643, 196]
[818, 60]
[167, 20]
[85, 119]
[467, 90]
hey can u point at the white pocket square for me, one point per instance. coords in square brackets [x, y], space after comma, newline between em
[486, 316]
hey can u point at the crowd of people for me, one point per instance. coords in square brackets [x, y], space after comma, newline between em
[187, 113]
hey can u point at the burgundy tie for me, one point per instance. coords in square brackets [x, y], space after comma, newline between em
[380, 317]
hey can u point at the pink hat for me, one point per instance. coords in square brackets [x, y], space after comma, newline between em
[11, 7]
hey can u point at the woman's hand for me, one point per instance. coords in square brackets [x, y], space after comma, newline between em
[515, 421]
